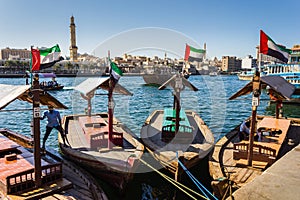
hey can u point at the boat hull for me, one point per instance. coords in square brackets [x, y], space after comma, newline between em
[115, 166]
[156, 79]
[159, 79]
[191, 150]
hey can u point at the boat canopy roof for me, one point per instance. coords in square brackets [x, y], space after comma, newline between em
[91, 84]
[279, 85]
[9, 93]
[172, 82]
[46, 75]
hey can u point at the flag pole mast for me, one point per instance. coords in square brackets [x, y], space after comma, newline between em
[110, 106]
[36, 128]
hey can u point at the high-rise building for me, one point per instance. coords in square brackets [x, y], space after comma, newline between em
[230, 64]
[73, 47]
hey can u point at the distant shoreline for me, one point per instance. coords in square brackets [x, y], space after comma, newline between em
[66, 75]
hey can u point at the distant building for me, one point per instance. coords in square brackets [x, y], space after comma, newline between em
[14, 54]
[248, 63]
[73, 47]
[230, 64]
[295, 55]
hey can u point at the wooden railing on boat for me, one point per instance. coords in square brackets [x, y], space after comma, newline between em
[100, 140]
[168, 133]
[95, 129]
[268, 148]
[23, 181]
[260, 153]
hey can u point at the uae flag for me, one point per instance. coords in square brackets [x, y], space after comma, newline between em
[193, 54]
[45, 57]
[269, 47]
[115, 72]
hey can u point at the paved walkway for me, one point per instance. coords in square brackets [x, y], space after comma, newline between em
[280, 181]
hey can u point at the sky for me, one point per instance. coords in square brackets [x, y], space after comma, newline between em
[228, 27]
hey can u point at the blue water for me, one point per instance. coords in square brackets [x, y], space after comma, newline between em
[210, 102]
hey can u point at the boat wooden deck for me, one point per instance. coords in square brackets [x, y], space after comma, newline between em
[224, 167]
[88, 139]
[192, 147]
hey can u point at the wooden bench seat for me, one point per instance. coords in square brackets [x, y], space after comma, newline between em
[169, 126]
[95, 129]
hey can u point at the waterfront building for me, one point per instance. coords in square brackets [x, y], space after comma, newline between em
[249, 62]
[73, 47]
[20, 54]
[230, 64]
[295, 55]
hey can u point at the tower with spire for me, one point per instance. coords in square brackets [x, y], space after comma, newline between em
[73, 47]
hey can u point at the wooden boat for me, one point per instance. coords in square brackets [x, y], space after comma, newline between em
[17, 169]
[21, 160]
[112, 156]
[235, 163]
[158, 76]
[172, 131]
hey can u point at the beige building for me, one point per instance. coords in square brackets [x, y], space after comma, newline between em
[230, 64]
[21, 54]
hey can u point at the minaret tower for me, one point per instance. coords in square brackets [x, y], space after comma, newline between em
[73, 47]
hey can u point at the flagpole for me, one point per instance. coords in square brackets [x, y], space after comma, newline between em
[259, 59]
[110, 106]
[36, 128]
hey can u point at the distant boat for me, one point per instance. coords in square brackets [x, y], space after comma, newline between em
[112, 154]
[157, 77]
[290, 72]
[171, 131]
[51, 84]
[213, 73]
[248, 75]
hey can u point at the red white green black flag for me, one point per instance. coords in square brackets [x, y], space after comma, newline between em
[269, 47]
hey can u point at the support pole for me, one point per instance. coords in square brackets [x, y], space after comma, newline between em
[177, 96]
[255, 102]
[36, 131]
[110, 112]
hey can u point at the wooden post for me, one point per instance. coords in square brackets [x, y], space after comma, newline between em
[110, 112]
[36, 131]
[277, 109]
[255, 102]
[177, 89]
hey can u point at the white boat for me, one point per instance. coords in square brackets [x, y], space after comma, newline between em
[290, 72]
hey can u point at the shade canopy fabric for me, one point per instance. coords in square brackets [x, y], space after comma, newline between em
[172, 82]
[9, 93]
[279, 85]
[91, 84]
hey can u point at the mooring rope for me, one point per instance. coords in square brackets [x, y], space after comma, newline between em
[177, 184]
[196, 182]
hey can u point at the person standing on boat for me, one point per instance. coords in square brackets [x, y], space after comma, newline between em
[244, 130]
[54, 121]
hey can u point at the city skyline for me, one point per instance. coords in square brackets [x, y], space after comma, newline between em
[229, 28]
